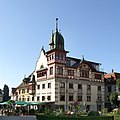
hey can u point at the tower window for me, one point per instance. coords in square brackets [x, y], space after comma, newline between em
[51, 70]
[60, 70]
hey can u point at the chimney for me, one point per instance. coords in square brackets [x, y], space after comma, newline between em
[112, 70]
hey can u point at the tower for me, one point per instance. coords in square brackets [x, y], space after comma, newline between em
[56, 56]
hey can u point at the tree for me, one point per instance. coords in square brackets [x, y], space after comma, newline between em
[0, 91]
[113, 98]
[118, 84]
[6, 96]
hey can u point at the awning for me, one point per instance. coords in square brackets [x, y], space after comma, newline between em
[5, 103]
[31, 103]
[21, 103]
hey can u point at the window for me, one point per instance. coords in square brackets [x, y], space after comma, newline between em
[57, 56]
[109, 88]
[27, 90]
[79, 86]
[41, 74]
[98, 76]
[87, 108]
[88, 98]
[99, 88]
[62, 85]
[51, 70]
[38, 98]
[48, 98]
[23, 99]
[28, 98]
[60, 70]
[43, 98]
[23, 91]
[20, 99]
[84, 73]
[71, 72]
[19, 91]
[71, 98]
[79, 98]
[88, 87]
[49, 85]
[99, 98]
[98, 107]
[43, 86]
[38, 86]
[71, 85]
[68, 63]
[62, 97]
[32, 98]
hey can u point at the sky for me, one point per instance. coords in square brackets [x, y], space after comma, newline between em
[89, 27]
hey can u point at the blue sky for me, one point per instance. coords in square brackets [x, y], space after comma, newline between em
[90, 28]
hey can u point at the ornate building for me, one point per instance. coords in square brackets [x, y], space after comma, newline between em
[110, 87]
[65, 80]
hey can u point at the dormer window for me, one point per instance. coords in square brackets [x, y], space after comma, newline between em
[41, 66]
[84, 73]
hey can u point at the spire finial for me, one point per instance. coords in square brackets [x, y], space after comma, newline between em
[56, 24]
[83, 57]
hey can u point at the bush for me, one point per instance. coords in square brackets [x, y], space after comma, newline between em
[93, 113]
[32, 112]
[53, 117]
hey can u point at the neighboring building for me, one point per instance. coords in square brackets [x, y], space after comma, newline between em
[110, 86]
[64, 80]
[1, 97]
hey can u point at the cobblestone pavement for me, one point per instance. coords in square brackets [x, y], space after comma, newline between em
[18, 118]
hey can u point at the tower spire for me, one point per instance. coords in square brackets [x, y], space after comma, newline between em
[56, 24]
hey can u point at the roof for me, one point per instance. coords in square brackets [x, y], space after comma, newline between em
[113, 76]
[79, 61]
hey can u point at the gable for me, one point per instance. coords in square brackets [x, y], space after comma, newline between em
[87, 66]
[42, 61]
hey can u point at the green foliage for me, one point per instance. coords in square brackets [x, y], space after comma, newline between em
[0, 91]
[113, 98]
[52, 117]
[6, 96]
[118, 84]
[104, 111]
[32, 112]
[93, 113]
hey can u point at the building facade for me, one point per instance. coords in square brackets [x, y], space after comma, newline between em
[110, 87]
[63, 80]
